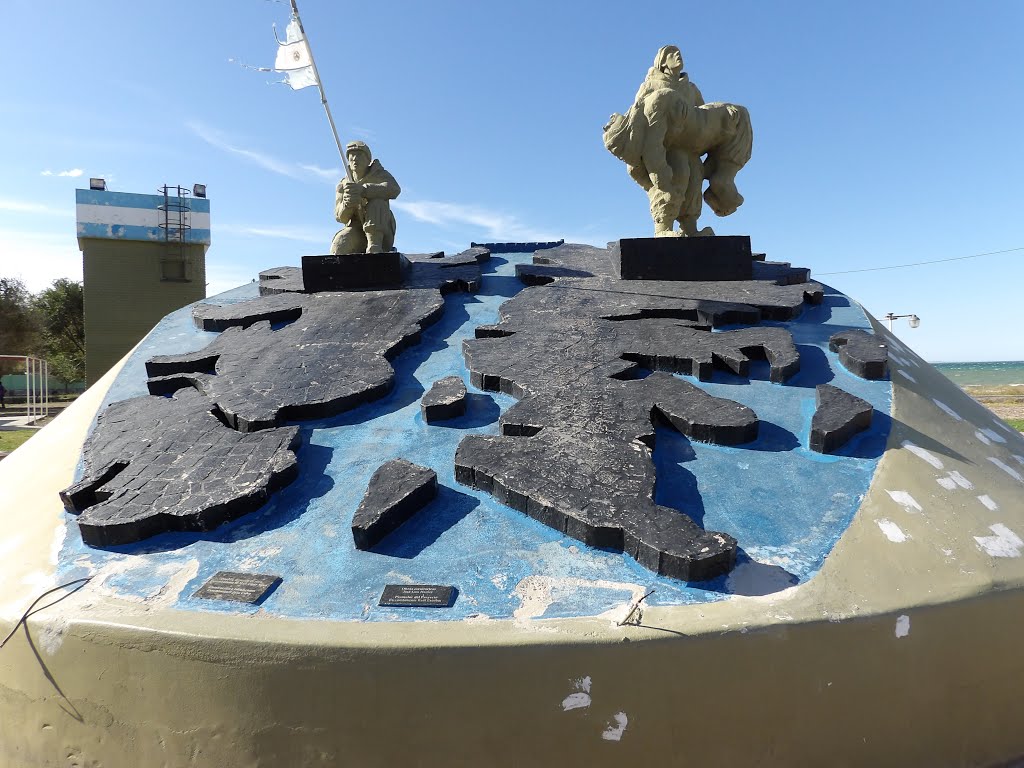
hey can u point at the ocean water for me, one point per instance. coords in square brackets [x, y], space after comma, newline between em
[998, 374]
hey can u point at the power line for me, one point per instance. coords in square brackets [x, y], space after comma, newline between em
[919, 263]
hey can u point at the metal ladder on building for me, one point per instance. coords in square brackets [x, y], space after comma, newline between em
[175, 221]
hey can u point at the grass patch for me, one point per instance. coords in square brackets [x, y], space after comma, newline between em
[9, 440]
[1017, 424]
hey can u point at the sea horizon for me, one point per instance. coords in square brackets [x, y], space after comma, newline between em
[993, 373]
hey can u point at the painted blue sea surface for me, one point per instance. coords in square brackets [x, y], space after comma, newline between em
[785, 505]
[996, 374]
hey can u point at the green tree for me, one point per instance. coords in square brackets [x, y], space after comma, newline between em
[19, 326]
[62, 321]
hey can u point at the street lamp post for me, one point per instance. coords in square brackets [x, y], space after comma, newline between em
[914, 320]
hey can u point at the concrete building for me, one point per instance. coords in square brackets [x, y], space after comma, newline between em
[143, 257]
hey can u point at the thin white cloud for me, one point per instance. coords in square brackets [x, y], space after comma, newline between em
[330, 174]
[22, 206]
[73, 173]
[221, 141]
[492, 226]
[299, 234]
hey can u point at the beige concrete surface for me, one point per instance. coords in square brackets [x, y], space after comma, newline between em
[903, 649]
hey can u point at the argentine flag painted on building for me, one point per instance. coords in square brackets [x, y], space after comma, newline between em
[293, 58]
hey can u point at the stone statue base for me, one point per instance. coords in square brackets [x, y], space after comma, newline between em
[353, 271]
[726, 257]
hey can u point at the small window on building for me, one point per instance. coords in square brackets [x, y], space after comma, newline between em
[175, 269]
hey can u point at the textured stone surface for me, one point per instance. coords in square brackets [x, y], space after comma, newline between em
[397, 490]
[155, 464]
[861, 353]
[837, 417]
[446, 399]
[683, 258]
[777, 292]
[575, 451]
[332, 357]
[460, 272]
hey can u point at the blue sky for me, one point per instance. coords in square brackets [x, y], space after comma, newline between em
[884, 133]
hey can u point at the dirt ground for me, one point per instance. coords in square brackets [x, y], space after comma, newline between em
[1004, 402]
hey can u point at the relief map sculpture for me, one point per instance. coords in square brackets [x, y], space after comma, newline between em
[592, 357]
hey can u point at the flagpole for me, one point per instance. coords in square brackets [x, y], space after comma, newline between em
[320, 85]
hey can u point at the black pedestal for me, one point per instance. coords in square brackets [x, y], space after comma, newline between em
[352, 271]
[726, 257]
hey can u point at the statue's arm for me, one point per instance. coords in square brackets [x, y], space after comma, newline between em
[698, 97]
[343, 208]
[654, 155]
[384, 186]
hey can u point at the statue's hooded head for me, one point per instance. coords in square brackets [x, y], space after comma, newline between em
[358, 156]
[663, 62]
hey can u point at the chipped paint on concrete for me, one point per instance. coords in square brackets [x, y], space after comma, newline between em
[924, 455]
[954, 480]
[615, 729]
[905, 500]
[581, 698]
[902, 626]
[1007, 469]
[537, 593]
[892, 531]
[989, 504]
[948, 410]
[1005, 543]
[991, 434]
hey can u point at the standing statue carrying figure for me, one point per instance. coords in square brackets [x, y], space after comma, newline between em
[663, 138]
[362, 204]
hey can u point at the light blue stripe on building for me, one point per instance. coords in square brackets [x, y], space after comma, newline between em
[135, 232]
[136, 200]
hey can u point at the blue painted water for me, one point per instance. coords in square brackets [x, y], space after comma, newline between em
[785, 505]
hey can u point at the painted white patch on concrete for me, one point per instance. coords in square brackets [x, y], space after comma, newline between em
[1005, 543]
[906, 376]
[905, 500]
[960, 480]
[575, 701]
[892, 531]
[1018, 459]
[989, 504]
[500, 581]
[991, 434]
[615, 730]
[902, 625]
[947, 409]
[922, 454]
[1008, 470]
[946, 482]
[981, 436]
[581, 698]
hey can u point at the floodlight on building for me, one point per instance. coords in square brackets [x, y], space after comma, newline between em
[199, 190]
[98, 184]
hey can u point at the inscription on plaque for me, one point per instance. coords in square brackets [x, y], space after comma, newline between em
[239, 587]
[417, 596]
